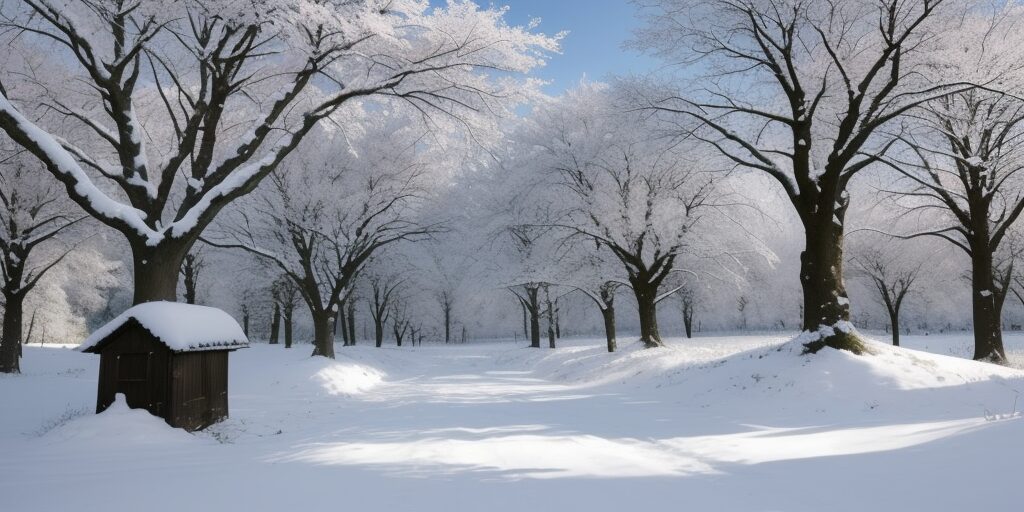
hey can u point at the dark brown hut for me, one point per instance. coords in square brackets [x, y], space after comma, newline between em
[169, 358]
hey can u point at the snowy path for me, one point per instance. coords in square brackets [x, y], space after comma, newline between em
[499, 427]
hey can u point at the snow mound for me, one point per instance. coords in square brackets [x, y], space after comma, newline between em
[116, 427]
[182, 327]
[774, 381]
[771, 384]
[344, 378]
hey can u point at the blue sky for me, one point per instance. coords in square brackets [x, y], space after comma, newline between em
[593, 48]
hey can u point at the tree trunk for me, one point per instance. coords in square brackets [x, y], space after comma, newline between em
[526, 322]
[343, 323]
[551, 325]
[323, 336]
[447, 323]
[894, 321]
[378, 331]
[688, 320]
[988, 336]
[399, 334]
[245, 321]
[648, 309]
[10, 343]
[287, 327]
[608, 314]
[352, 322]
[821, 276]
[156, 271]
[534, 307]
[275, 324]
[558, 323]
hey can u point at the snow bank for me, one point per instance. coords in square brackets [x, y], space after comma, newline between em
[116, 427]
[770, 379]
[182, 327]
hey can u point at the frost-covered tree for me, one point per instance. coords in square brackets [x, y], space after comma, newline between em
[801, 91]
[384, 296]
[285, 295]
[526, 272]
[891, 275]
[33, 213]
[963, 180]
[179, 108]
[328, 211]
[611, 180]
[595, 274]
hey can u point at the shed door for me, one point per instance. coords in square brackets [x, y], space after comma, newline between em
[133, 372]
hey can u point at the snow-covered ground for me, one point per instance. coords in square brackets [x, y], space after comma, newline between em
[715, 423]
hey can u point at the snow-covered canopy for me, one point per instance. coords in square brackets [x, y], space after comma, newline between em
[182, 327]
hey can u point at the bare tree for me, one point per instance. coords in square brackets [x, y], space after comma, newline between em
[834, 75]
[400, 319]
[616, 185]
[344, 318]
[962, 167]
[383, 289]
[320, 225]
[605, 300]
[528, 278]
[286, 297]
[33, 212]
[528, 295]
[892, 282]
[688, 300]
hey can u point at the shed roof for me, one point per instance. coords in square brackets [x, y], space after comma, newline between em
[182, 327]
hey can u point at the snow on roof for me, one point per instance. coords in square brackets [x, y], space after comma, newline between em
[182, 327]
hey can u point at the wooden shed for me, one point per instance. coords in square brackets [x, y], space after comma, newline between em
[168, 358]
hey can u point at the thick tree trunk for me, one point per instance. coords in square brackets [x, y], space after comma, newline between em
[988, 335]
[287, 327]
[275, 324]
[608, 314]
[323, 336]
[649, 324]
[821, 276]
[648, 309]
[156, 270]
[10, 343]
[894, 321]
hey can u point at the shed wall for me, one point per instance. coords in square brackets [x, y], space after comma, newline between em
[199, 389]
[134, 364]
